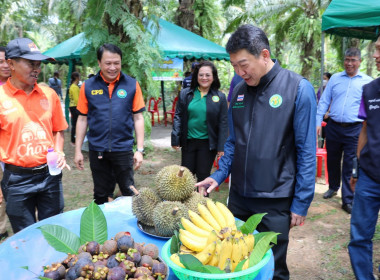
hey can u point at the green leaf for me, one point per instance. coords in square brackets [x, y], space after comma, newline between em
[174, 245]
[212, 269]
[240, 265]
[60, 238]
[262, 247]
[93, 225]
[25, 267]
[239, 224]
[43, 278]
[191, 262]
[260, 235]
[251, 224]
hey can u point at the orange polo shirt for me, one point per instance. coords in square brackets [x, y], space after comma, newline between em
[138, 100]
[27, 123]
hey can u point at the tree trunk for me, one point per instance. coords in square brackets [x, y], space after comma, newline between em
[370, 60]
[185, 15]
[306, 61]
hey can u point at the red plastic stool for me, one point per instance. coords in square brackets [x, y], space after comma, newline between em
[322, 155]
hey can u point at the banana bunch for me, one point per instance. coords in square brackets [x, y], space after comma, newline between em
[212, 237]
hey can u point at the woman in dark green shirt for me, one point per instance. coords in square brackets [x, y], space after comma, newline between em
[200, 121]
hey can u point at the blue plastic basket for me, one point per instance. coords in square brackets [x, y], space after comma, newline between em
[186, 274]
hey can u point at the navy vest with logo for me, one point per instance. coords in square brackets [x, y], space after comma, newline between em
[370, 154]
[110, 120]
[264, 135]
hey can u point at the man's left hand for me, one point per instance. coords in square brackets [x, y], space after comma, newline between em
[137, 159]
[61, 161]
[296, 220]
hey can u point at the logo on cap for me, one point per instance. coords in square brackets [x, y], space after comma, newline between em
[33, 48]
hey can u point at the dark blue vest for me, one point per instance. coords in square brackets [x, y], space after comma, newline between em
[264, 135]
[370, 154]
[110, 120]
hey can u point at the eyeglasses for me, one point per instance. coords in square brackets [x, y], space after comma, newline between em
[352, 60]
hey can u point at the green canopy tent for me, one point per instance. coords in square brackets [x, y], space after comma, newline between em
[69, 52]
[172, 40]
[351, 18]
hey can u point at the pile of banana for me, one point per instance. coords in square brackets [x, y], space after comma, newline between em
[213, 239]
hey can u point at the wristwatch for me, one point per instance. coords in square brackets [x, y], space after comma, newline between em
[141, 150]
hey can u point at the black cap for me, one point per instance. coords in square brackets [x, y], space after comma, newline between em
[24, 48]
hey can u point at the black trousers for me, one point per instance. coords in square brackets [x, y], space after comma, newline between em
[277, 220]
[112, 166]
[341, 141]
[198, 158]
[74, 117]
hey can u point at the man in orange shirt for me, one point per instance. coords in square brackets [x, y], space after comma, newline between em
[111, 104]
[31, 121]
[5, 73]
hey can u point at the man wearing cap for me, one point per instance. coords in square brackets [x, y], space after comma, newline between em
[5, 73]
[187, 81]
[31, 121]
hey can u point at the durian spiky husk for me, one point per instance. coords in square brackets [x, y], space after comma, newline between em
[171, 186]
[143, 205]
[167, 216]
[192, 201]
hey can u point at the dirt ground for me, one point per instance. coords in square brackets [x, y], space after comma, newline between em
[317, 250]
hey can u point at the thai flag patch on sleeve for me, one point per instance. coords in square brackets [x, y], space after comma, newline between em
[240, 97]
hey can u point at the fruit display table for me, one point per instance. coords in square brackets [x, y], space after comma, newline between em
[28, 248]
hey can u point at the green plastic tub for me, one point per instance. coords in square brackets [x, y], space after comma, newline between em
[185, 274]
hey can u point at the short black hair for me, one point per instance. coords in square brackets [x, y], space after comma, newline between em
[250, 38]
[108, 47]
[327, 74]
[2, 49]
[56, 74]
[194, 79]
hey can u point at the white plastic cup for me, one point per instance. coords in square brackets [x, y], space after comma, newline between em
[52, 158]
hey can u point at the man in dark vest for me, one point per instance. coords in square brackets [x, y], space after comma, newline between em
[111, 104]
[270, 152]
[366, 205]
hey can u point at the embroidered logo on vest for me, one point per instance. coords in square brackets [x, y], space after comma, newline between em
[275, 101]
[122, 93]
[96, 92]
[215, 99]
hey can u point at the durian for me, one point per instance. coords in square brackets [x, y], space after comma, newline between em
[143, 205]
[175, 183]
[192, 201]
[167, 216]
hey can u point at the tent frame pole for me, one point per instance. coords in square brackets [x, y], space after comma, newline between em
[322, 61]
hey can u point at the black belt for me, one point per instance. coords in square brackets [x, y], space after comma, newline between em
[26, 170]
[345, 124]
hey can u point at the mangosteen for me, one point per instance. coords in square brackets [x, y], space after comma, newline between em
[146, 261]
[141, 271]
[53, 274]
[109, 247]
[139, 247]
[86, 255]
[159, 269]
[151, 250]
[133, 255]
[112, 262]
[116, 273]
[92, 247]
[120, 234]
[124, 243]
[129, 267]
[70, 274]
